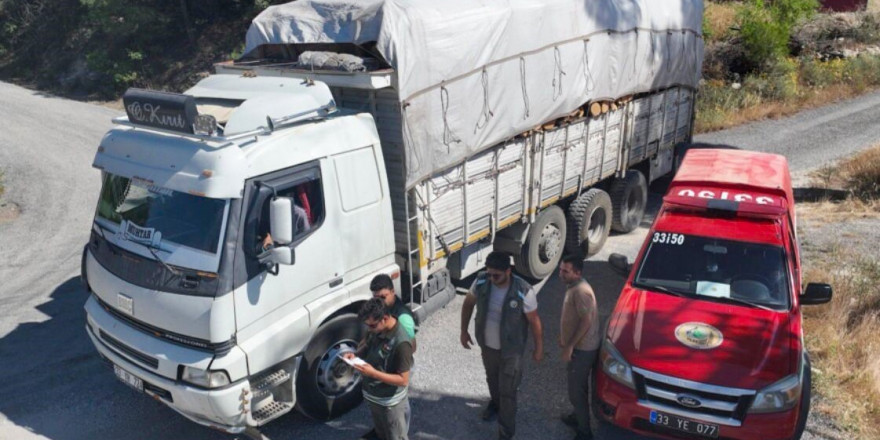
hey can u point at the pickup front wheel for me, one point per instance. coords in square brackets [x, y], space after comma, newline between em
[326, 387]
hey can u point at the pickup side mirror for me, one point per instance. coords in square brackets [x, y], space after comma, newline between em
[620, 264]
[816, 293]
[281, 220]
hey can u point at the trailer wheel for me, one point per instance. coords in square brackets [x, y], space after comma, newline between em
[327, 387]
[543, 248]
[629, 196]
[589, 222]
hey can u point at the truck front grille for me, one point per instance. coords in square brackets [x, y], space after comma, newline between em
[711, 403]
[129, 352]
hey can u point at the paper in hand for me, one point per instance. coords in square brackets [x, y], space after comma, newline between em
[355, 361]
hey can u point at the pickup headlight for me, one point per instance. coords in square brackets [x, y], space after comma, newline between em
[203, 378]
[783, 395]
[614, 365]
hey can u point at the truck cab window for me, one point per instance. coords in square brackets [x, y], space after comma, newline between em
[307, 211]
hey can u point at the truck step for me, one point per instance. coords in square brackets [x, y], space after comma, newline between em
[262, 386]
[271, 411]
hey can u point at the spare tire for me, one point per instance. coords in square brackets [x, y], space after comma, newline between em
[629, 196]
[589, 222]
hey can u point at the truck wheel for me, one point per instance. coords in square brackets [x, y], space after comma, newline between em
[629, 196]
[327, 387]
[589, 221]
[543, 248]
[805, 400]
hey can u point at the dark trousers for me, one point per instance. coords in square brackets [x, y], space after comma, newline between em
[503, 375]
[579, 386]
[392, 422]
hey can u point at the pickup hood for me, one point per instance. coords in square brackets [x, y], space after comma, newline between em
[207, 319]
[758, 347]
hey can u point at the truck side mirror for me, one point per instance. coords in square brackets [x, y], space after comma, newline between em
[816, 293]
[281, 220]
[283, 255]
[620, 264]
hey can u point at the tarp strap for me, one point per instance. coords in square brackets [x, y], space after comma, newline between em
[486, 113]
[588, 75]
[653, 55]
[412, 159]
[684, 52]
[525, 91]
[448, 136]
[557, 74]
[636, 56]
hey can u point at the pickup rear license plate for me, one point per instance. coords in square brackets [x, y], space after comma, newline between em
[129, 379]
[707, 430]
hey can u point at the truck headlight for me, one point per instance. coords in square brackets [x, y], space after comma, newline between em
[205, 378]
[614, 365]
[783, 395]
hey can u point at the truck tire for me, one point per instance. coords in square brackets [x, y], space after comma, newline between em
[326, 387]
[806, 391]
[589, 222]
[629, 196]
[541, 252]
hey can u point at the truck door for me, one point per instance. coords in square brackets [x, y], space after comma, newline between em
[317, 269]
[365, 226]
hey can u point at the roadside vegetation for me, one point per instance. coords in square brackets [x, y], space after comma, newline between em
[773, 58]
[842, 335]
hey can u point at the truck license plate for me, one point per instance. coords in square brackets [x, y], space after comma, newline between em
[129, 379]
[669, 421]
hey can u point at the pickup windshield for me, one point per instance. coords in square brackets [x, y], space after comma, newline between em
[148, 213]
[716, 270]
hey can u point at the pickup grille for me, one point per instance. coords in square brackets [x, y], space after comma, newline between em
[721, 405]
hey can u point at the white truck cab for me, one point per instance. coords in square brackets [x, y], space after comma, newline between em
[183, 304]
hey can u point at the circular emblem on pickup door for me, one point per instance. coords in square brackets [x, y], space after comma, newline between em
[688, 401]
[698, 335]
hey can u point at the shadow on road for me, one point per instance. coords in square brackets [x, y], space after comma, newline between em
[54, 385]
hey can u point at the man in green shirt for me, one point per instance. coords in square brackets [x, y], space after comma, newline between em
[382, 287]
[387, 353]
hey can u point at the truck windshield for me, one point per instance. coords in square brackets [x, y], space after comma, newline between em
[715, 269]
[148, 214]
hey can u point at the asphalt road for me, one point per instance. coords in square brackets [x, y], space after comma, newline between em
[52, 384]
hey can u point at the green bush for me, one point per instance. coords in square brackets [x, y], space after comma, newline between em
[766, 27]
[815, 73]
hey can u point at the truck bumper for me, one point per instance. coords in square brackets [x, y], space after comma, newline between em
[620, 405]
[223, 408]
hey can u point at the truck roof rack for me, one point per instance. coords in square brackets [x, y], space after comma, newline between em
[271, 125]
[248, 106]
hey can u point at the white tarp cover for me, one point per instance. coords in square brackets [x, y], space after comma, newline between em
[473, 73]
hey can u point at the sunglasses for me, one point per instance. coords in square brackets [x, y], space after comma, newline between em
[496, 276]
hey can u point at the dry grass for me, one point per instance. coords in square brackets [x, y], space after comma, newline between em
[842, 338]
[825, 213]
[726, 118]
[719, 18]
[859, 174]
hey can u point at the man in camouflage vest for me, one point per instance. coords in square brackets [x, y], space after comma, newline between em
[507, 307]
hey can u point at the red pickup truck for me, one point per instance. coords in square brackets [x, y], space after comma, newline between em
[706, 339]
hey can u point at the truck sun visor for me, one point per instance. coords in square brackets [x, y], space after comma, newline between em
[163, 110]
